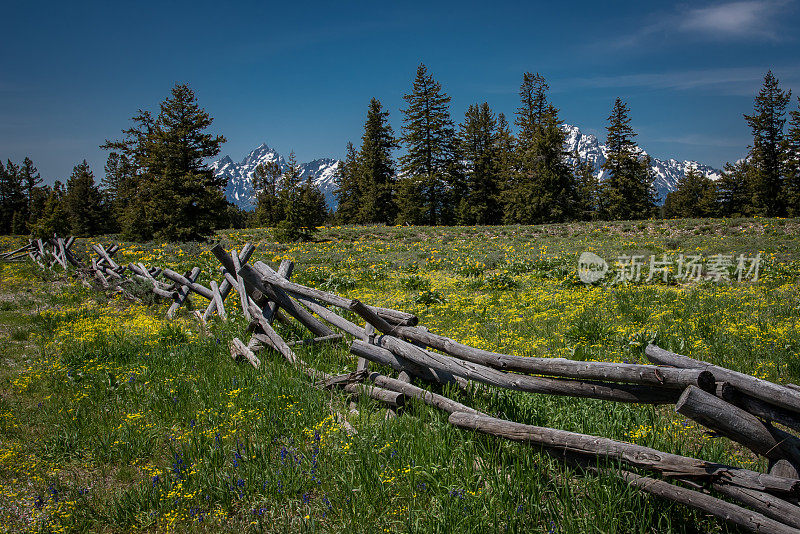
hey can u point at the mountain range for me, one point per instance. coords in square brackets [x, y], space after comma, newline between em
[239, 189]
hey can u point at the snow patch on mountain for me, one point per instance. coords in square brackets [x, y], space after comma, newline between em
[667, 173]
[239, 176]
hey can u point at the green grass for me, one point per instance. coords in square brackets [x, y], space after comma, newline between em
[114, 419]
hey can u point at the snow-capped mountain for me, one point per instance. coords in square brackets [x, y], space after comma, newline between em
[667, 172]
[240, 175]
[240, 186]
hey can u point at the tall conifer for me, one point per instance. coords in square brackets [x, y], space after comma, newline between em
[544, 189]
[348, 191]
[376, 168]
[479, 137]
[792, 164]
[430, 164]
[627, 191]
[766, 152]
[83, 202]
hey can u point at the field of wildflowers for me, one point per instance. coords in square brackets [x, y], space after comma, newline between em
[114, 418]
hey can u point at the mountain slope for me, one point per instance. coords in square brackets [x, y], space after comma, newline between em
[239, 176]
[240, 187]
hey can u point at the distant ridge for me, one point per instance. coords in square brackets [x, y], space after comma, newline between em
[239, 189]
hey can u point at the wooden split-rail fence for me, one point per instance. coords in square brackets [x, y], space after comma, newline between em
[760, 415]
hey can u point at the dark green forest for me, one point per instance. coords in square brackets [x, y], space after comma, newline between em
[157, 184]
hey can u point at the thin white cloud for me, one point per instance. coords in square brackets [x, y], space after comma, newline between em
[726, 81]
[755, 18]
[745, 20]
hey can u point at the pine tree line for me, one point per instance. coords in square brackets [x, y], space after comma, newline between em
[479, 172]
[157, 183]
[27, 207]
[765, 183]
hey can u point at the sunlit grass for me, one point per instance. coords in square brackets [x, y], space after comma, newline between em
[114, 418]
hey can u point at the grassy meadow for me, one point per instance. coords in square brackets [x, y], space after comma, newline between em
[114, 419]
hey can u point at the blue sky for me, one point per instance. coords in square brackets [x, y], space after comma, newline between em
[299, 75]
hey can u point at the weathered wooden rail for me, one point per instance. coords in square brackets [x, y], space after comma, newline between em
[731, 404]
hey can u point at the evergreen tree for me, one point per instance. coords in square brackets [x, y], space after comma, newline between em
[544, 189]
[479, 135]
[506, 157]
[430, 164]
[348, 193]
[170, 192]
[766, 153]
[376, 168]
[36, 204]
[694, 196]
[303, 203]
[734, 190]
[112, 184]
[312, 206]
[83, 202]
[627, 192]
[791, 192]
[533, 108]
[30, 180]
[188, 198]
[131, 176]
[266, 181]
[13, 203]
[588, 189]
[54, 218]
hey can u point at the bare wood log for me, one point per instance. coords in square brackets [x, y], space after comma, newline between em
[56, 254]
[24, 248]
[255, 289]
[98, 274]
[764, 503]
[560, 367]
[194, 286]
[62, 252]
[324, 339]
[105, 256]
[431, 399]
[241, 257]
[341, 380]
[752, 521]
[383, 356]
[183, 292]
[332, 317]
[269, 276]
[284, 271]
[755, 387]
[142, 271]
[253, 277]
[240, 350]
[670, 465]
[757, 407]
[532, 384]
[784, 468]
[392, 398]
[218, 300]
[277, 341]
[72, 259]
[737, 424]
[240, 286]
[109, 271]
